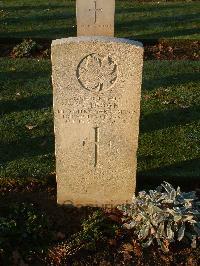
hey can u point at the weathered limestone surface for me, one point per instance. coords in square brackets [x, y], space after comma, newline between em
[97, 87]
[95, 18]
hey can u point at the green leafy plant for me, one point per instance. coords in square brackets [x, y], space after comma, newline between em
[23, 224]
[7, 227]
[24, 49]
[165, 215]
[95, 232]
[97, 227]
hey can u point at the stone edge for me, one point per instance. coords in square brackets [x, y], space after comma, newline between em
[96, 38]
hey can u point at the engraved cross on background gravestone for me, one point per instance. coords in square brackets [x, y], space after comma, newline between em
[95, 18]
[95, 11]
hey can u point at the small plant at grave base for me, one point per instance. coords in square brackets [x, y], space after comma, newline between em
[165, 215]
[96, 231]
[24, 49]
[46, 53]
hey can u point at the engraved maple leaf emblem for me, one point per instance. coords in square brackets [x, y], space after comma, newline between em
[95, 73]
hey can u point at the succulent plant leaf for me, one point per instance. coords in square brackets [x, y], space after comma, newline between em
[164, 215]
[181, 232]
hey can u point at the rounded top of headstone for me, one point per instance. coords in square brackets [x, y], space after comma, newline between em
[97, 39]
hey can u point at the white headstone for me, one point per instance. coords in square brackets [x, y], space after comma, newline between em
[97, 87]
[95, 17]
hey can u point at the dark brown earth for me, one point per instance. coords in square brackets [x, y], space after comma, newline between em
[154, 50]
[122, 249]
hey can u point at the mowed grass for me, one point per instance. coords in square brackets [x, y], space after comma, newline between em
[51, 19]
[26, 102]
[169, 143]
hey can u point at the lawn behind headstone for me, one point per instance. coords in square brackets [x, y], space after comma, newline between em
[56, 19]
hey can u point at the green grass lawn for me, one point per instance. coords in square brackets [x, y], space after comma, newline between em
[169, 144]
[56, 19]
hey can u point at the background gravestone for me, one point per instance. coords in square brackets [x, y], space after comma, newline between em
[95, 18]
[97, 83]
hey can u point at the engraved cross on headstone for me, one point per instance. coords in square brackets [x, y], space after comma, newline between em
[95, 18]
[96, 145]
[95, 11]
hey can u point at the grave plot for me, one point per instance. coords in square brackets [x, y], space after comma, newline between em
[95, 102]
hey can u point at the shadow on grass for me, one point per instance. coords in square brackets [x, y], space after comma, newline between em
[169, 118]
[148, 8]
[26, 147]
[176, 174]
[24, 75]
[49, 34]
[159, 35]
[37, 19]
[183, 78]
[165, 21]
[35, 7]
[28, 103]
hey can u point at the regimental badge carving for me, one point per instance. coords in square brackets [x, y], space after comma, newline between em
[96, 73]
